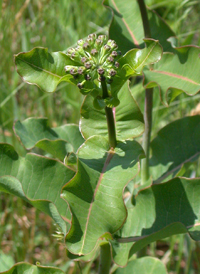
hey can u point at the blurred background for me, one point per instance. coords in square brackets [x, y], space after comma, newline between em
[57, 25]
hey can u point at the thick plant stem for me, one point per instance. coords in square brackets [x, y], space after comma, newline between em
[145, 20]
[105, 253]
[105, 259]
[109, 117]
[148, 103]
[147, 133]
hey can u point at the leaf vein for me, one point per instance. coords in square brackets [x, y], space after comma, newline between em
[48, 72]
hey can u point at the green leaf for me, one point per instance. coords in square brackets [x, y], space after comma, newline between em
[6, 261]
[175, 73]
[127, 28]
[159, 212]
[95, 193]
[85, 258]
[43, 69]
[36, 179]
[145, 265]
[26, 268]
[175, 144]
[46, 70]
[128, 117]
[58, 141]
[135, 60]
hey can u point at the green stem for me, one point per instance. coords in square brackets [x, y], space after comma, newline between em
[145, 20]
[105, 258]
[109, 117]
[147, 133]
[148, 103]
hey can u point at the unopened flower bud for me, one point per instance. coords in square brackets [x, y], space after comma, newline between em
[73, 71]
[112, 72]
[105, 51]
[90, 41]
[98, 43]
[100, 71]
[110, 59]
[94, 52]
[70, 51]
[107, 47]
[81, 70]
[87, 77]
[88, 65]
[79, 49]
[67, 68]
[83, 59]
[116, 64]
[114, 53]
[112, 44]
[102, 37]
[74, 55]
[86, 45]
[92, 36]
[80, 42]
[81, 85]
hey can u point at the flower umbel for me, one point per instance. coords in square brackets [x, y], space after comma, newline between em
[94, 58]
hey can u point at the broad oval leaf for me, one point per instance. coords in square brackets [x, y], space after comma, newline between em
[145, 265]
[26, 268]
[175, 73]
[175, 144]
[127, 28]
[36, 179]
[159, 212]
[43, 69]
[95, 193]
[128, 117]
[59, 141]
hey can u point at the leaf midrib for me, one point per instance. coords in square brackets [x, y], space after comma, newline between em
[143, 62]
[127, 26]
[44, 70]
[160, 179]
[108, 159]
[174, 75]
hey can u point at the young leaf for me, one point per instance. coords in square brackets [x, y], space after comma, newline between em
[36, 179]
[175, 144]
[159, 212]
[127, 28]
[95, 193]
[26, 268]
[143, 265]
[175, 73]
[58, 141]
[128, 117]
[133, 62]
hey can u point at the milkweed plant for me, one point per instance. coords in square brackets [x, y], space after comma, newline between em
[88, 183]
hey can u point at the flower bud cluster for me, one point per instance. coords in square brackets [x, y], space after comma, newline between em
[95, 58]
